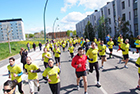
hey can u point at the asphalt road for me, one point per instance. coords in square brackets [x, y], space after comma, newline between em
[114, 78]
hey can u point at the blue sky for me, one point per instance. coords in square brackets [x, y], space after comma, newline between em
[69, 12]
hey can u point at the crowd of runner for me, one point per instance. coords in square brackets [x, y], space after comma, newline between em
[86, 50]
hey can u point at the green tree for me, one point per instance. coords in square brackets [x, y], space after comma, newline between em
[89, 32]
[103, 28]
[74, 32]
[31, 35]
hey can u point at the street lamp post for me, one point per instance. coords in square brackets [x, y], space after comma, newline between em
[44, 20]
[53, 26]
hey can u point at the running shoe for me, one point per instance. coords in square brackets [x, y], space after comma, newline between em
[138, 87]
[85, 93]
[78, 88]
[119, 61]
[125, 66]
[38, 88]
[98, 84]
[102, 67]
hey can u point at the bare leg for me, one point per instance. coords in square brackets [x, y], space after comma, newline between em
[85, 82]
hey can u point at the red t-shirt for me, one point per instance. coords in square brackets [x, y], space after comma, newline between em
[79, 60]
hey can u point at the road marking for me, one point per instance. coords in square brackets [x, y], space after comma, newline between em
[101, 88]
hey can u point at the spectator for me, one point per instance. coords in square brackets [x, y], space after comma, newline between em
[28, 46]
[34, 46]
[23, 54]
[40, 46]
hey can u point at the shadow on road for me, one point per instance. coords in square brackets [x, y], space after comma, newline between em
[116, 68]
[132, 91]
[69, 88]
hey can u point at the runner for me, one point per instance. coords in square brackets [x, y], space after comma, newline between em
[86, 45]
[79, 63]
[120, 42]
[63, 45]
[51, 74]
[9, 87]
[15, 73]
[110, 46]
[125, 51]
[138, 65]
[45, 57]
[57, 54]
[102, 52]
[32, 70]
[71, 50]
[51, 46]
[93, 54]
[137, 43]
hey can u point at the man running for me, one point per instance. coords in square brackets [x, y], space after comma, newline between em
[71, 50]
[110, 46]
[57, 54]
[138, 65]
[79, 63]
[93, 54]
[32, 70]
[102, 53]
[125, 51]
[15, 73]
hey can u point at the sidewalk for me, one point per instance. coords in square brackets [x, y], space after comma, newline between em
[36, 58]
[132, 57]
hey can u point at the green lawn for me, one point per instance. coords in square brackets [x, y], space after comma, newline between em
[15, 47]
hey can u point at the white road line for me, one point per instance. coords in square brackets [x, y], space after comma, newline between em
[101, 88]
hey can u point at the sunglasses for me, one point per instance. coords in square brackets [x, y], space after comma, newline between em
[8, 90]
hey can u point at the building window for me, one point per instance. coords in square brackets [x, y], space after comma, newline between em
[135, 13]
[130, 27]
[108, 11]
[129, 3]
[136, 29]
[123, 17]
[135, 1]
[94, 17]
[123, 5]
[109, 21]
[129, 15]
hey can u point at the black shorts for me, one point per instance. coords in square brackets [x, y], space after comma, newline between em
[82, 73]
[63, 48]
[74, 45]
[57, 59]
[110, 50]
[139, 75]
[125, 57]
[103, 55]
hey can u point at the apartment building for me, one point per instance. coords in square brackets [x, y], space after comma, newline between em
[129, 9]
[14, 27]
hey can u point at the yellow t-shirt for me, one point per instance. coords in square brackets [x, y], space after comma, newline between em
[138, 62]
[45, 58]
[98, 43]
[138, 42]
[74, 42]
[15, 70]
[110, 44]
[63, 45]
[92, 54]
[52, 73]
[31, 75]
[126, 48]
[102, 49]
[71, 49]
[95, 40]
[51, 45]
[57, 52]
[47, 47]
[120, 41]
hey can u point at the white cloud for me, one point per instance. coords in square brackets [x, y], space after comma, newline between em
[69, 21]
[88, 4]
[38, 29]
